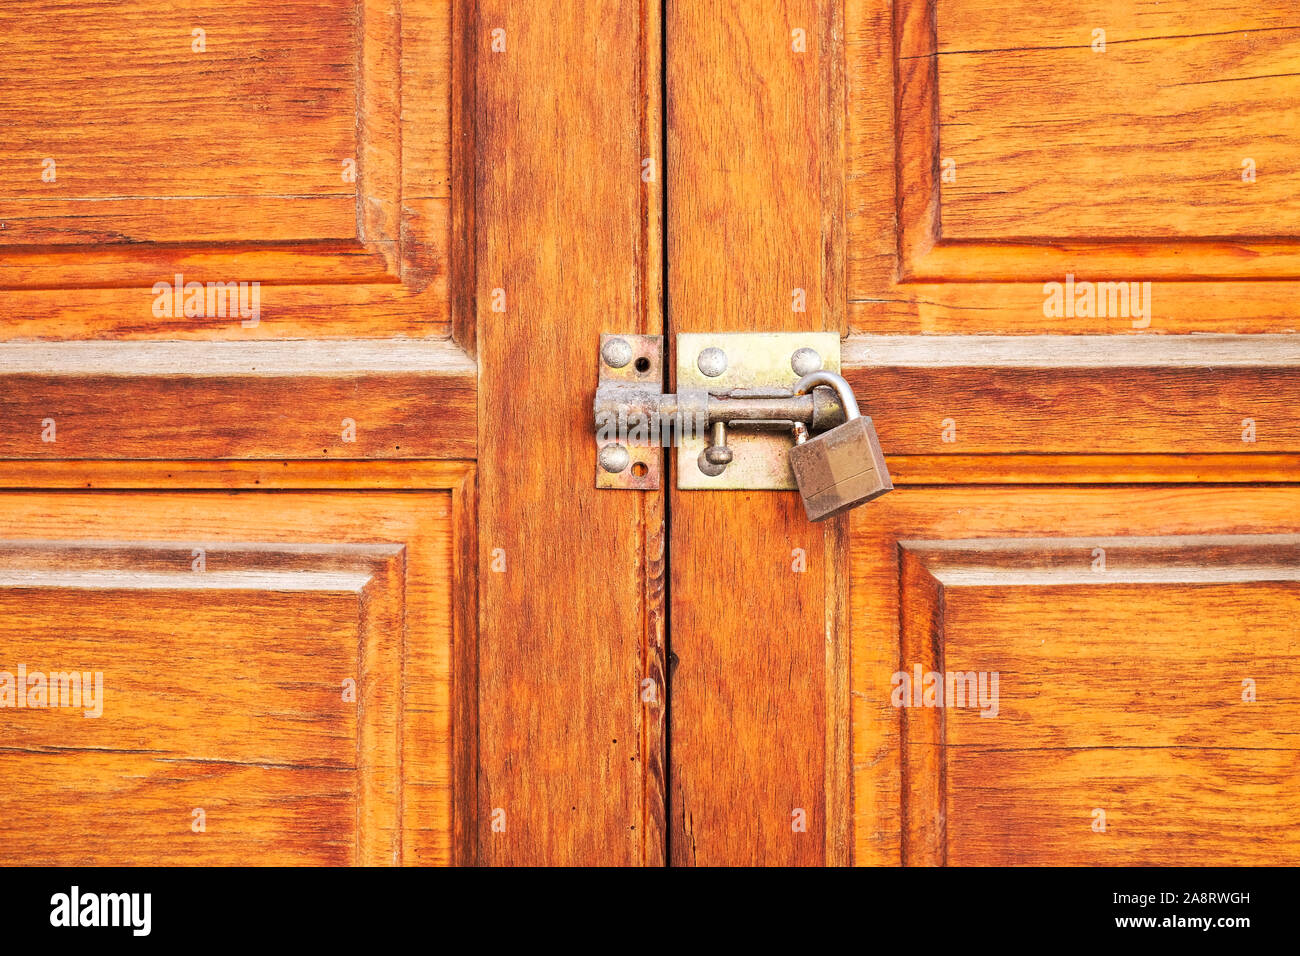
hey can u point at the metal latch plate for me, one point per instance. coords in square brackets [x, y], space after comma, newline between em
[633, 363]
[720, 362]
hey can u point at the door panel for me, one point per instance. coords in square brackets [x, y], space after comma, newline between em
[993, 151]
[303, 146]
[1041, 202]
[226, 249]
[1083, 394]
[1150, 108]
[976, 376]
[284, 662]
[1147, 662]
[275, 181]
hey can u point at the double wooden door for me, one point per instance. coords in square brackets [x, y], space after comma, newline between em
[301, 554]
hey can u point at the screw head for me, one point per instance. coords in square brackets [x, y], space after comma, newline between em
[712, 362]
[616, 352]
[614, 458]
[805, 360]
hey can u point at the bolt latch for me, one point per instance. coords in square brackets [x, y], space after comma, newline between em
[733, 419]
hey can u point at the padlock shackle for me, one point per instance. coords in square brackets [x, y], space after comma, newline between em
[842, 388]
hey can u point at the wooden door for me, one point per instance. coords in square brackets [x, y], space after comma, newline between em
[301, 557]
[1059, 241]
[238, 430]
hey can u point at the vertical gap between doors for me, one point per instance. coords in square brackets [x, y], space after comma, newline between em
[669, 454]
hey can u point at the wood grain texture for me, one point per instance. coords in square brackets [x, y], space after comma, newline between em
[1119, 689]
[297, 310]
[930, 77]
[568, 748]
[269, 816]
[305, 631]
[1244, 308]
[1166, 807]
[1091, 469]
[754, 206]
[251, 475]
[904, 469]
[1171, 110]
[367, 584]
[267, 112]
[652, 290]
[236, 399]
[463, 119]
[1128, 677]
[935, 394]
[245, 183]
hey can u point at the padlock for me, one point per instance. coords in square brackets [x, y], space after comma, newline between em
[840, 468]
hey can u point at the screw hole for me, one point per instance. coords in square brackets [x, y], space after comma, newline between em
[639, 469]
[643, 364]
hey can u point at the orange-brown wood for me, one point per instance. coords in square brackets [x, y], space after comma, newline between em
[224, 678]
[912, 173]
[570, 577]
[759, 744]
[382, 399]
[988, 156]
[338, 617]
[1122, 644]
[274, 113]
[904, 469]
[250, 475]
[1091, 469]
[1012, 400]
[305, 150]
[1170, 107]
[1017, 308]
[234, 163]
[1068, 394]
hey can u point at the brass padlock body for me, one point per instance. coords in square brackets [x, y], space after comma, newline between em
[840, 469]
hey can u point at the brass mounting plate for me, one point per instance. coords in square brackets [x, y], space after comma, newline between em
[753, 361]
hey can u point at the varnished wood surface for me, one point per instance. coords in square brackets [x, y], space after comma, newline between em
[224, 685]
[521, 170]
[1070, 394]
[1182, 93]
[118, 174]
[988, 307]
[115, 399]
[754, 213]
[332, 613]
[250, 475]
[1120, 683]
[570, 577]
[904, 469]
[1040, 187]
[247, 185]
[1091, 469]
